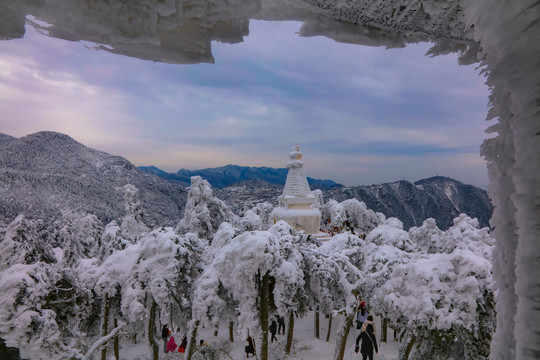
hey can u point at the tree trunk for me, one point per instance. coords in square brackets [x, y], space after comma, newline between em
[290, 332]
[341, 337]
[152, 331]
[231, 331]
[409, 348]
[264, 316]
[384, 329]
[329, 328]
[192, 340]
[105, 325]
[317, 334]
[116, 342]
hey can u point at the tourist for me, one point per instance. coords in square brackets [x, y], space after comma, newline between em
[183, 344]
[250, 347]
[203, 343]
[165, 336]
[273, 330]
[361, 315]
[369, 342]
[281, 325]
[171, 345]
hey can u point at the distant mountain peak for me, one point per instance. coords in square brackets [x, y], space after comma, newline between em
[435, 179]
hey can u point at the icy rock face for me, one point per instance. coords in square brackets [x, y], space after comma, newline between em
[402, 21]
[508, 32]
[168, 31]
[182, 32]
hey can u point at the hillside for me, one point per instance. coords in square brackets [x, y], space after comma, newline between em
[47, 172]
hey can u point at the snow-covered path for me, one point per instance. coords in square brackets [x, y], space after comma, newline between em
[305, 346]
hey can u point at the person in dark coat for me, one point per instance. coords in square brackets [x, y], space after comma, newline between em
[165, 336]
[367, 337]
[281, 325]
[273, 330]
[250, 347]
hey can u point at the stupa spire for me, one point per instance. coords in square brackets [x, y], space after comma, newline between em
[296, 184]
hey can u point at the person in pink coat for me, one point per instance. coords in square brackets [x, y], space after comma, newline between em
[171, 345]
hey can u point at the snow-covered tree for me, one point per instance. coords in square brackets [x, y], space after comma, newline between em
[77, 235]
[203, 212]
[25, 242]
[28, 279]
[340, 280]
[135, 223]
[335, 212]
[112, 240]
[318, 194]
[154, 274]
[243, 268]
[443, 301]
[385, 246]
[466, 234]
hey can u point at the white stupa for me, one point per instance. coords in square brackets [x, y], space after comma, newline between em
[298, 206]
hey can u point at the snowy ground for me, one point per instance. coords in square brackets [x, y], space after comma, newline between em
[305, 346]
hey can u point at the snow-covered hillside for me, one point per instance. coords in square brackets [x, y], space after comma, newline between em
[45, 173]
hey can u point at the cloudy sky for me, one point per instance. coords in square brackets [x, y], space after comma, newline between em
[362, 115]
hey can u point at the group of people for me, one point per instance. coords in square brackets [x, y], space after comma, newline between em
[278, 327]
[364, 322]
[169, 344]
[366, 342]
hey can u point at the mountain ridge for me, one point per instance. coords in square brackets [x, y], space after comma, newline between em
[223, 176]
